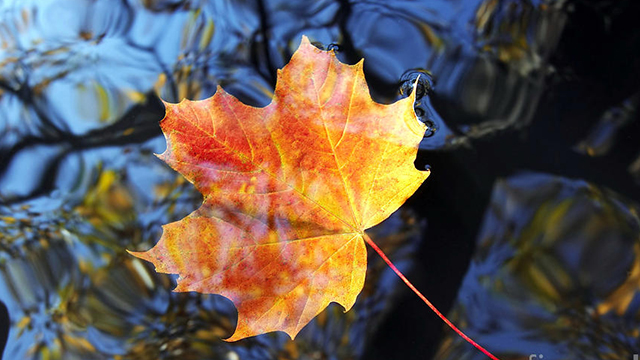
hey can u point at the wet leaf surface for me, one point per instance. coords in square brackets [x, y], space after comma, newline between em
[288, 191]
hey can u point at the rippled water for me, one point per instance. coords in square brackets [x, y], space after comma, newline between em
[527, 229]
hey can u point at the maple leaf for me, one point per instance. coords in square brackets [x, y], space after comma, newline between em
[288, 191]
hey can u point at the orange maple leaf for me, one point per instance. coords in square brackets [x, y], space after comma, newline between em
[288, 191]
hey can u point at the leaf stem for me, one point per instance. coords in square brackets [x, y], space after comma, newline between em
[429, 304]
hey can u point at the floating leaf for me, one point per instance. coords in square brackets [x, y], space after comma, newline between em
[288, 191]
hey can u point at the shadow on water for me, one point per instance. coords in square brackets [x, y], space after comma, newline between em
[526, 233]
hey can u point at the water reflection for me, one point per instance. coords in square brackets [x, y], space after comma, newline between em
[489, 58]
[556, 272]
[79, 87]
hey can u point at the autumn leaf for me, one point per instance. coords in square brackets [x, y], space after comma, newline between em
[288, 191]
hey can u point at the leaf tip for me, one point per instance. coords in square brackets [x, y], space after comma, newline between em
[235, 337]
[165, 155]
[238, 335]
[139, 254]
[168, 104]
[426, 172]
[305, 44]
[305, 40]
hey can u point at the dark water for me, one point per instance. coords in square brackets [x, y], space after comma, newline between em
[527, 232]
